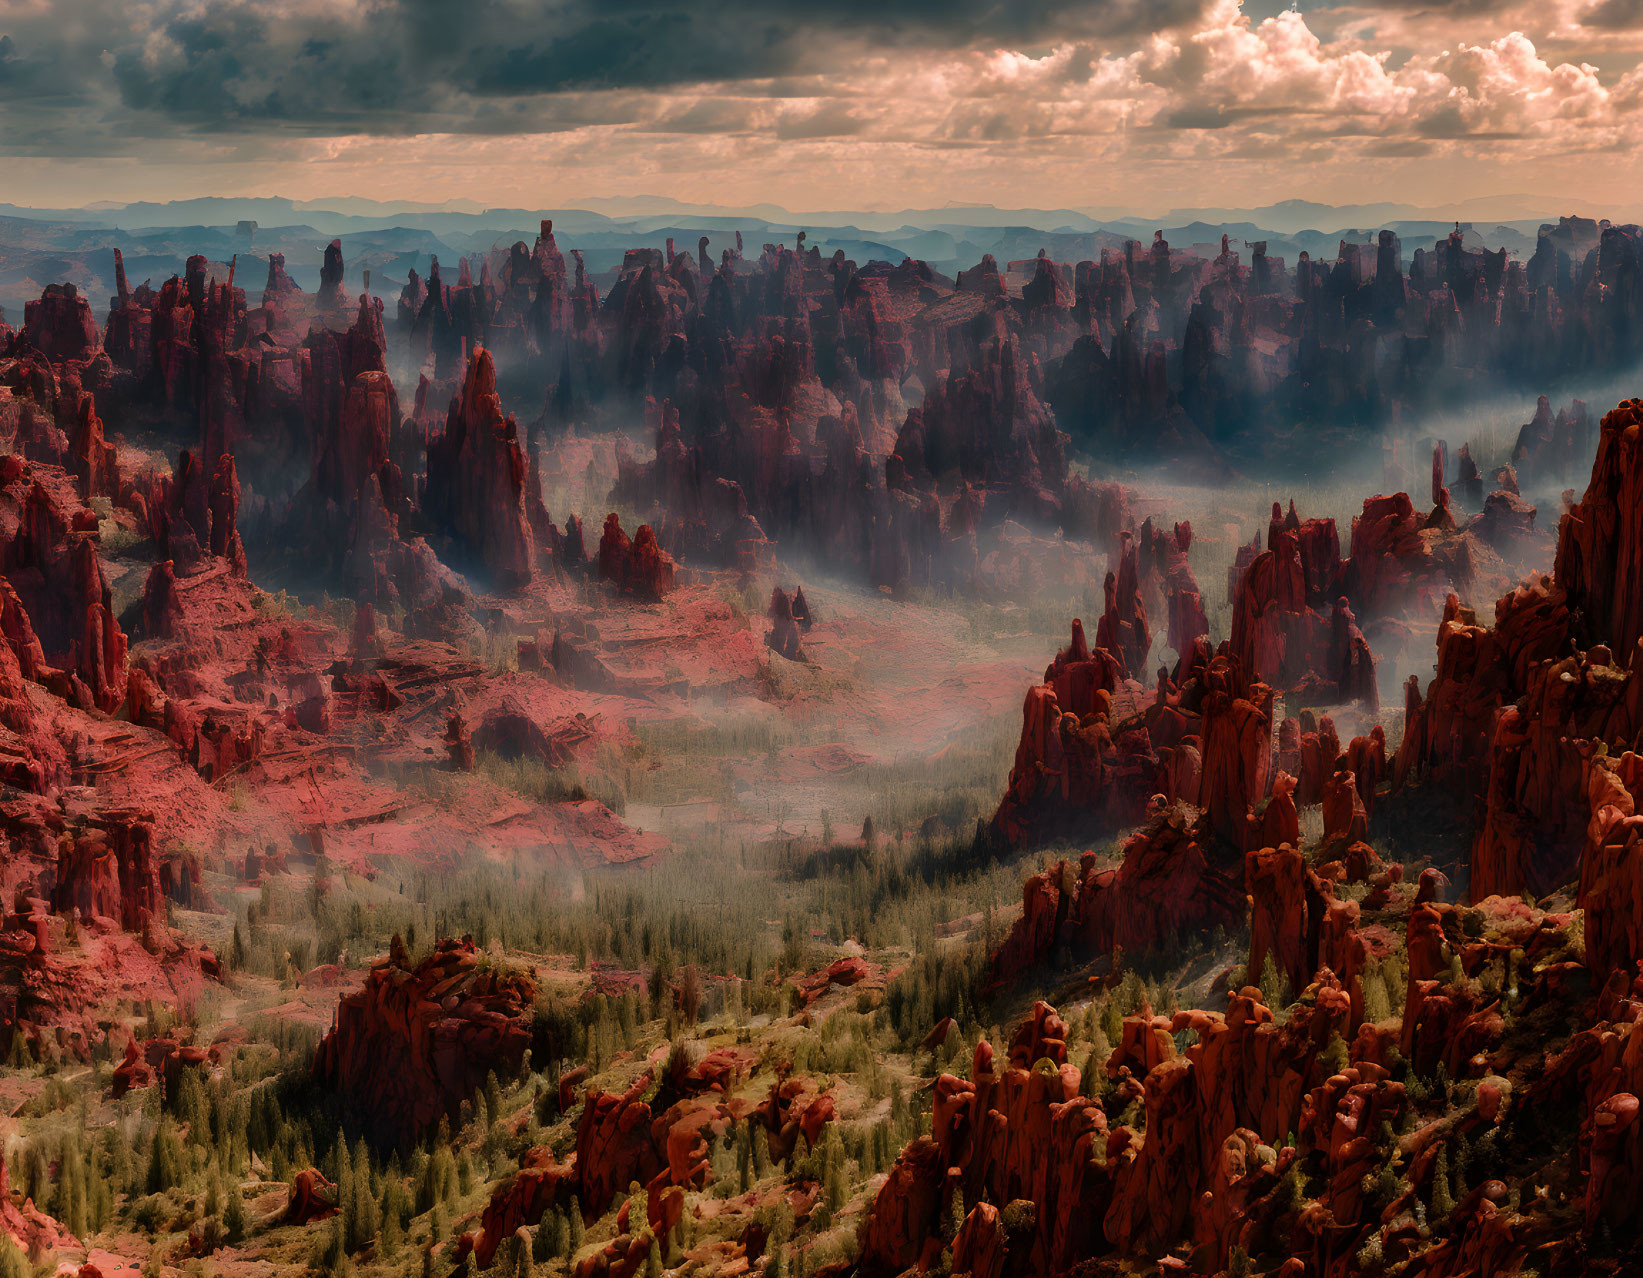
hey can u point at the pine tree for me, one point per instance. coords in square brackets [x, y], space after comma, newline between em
[165, 1158]
[744, 1159]
[1274, 988]
[833, 1185]
[1293, 1189]
[493, 1097]
[523, 1265]
[101, 1206]
[1443, 1203]
[393, 1230]
[365, 1203]
[190, 1106]
[36, 1176]
[955, 1216]
[427, 1185]
[13, 1263]
[335, 1262]
[1377, 1002]
[233, 1216]
[575, 1214]
[542, 1241]
[115, 1158]
[347, 1202]
[68, 1201]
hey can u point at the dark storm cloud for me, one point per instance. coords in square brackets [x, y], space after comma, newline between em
[1614, 15]
[1399, 149]
[1212, 116]
[834, 120]
[23, 76]
[1447, 122]
[398, 66]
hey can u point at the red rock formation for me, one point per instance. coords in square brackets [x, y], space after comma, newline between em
[52, 565]
[774, 450]
[1280, 636]
[476, 478]
[93, 459]
[458, 742]
[330, 294]
[1345, 819]
[614, 1146]
[412, 1045]
[1083, 763]
[1554, 447]
[30, 1229]
[1237, 756]
[900, 1231]
[1123, 628]
[1276, 878]
[32, 757]
[1611, 871]
[622, 1257]
[640, 567]
[108, 868]
[618, 1142]
[359, 447]
[1600, 540]
[793, 1109]
[223, 501]
[980, 1247]
[783, 636]
[1204, 1173]
[161, 608]
[1187, 622]
[1024, 1132]
[127, 338]
[132, 1073]
[847, 972]
[541, 1183]
[60, 325]
[1172, 881]
[1067, 760]
[1516, 727]
[312, 1198]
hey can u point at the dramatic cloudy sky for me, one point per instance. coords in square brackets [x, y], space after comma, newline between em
[1145, 104]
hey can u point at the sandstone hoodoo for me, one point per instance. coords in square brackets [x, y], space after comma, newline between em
[415, 1043]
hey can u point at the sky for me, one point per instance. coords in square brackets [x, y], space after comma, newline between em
[1143, 105]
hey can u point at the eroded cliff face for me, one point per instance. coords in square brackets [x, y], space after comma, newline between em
[1529, 724]
[1530, 721]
